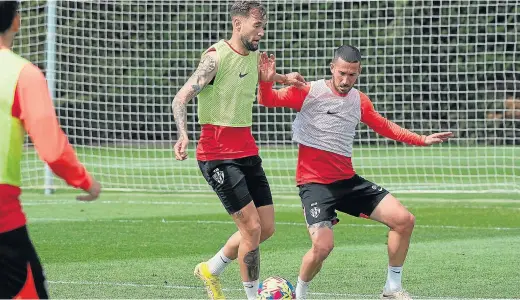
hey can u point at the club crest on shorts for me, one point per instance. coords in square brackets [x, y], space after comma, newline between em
[218, 175]
[315, 211]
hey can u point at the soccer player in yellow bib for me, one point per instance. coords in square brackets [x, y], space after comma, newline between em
[26, 106]
[225, 82]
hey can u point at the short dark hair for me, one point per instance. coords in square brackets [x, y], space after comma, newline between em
[244, 7]
[348, 53]
[8, 10]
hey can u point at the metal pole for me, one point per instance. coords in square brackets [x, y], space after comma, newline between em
[51, 75]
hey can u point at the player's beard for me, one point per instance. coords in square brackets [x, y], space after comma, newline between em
[249, 45]
[343, 89]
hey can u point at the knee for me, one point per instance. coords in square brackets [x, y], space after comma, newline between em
[406, 224]
[322, 249]
[252, 230]
[267, 232]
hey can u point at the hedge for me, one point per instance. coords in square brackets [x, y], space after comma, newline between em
[428, 65]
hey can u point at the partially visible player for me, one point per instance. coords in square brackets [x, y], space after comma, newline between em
[226, 82]
[26, 106]
[325, 125]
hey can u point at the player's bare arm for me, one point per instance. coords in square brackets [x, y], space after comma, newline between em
[202, 76]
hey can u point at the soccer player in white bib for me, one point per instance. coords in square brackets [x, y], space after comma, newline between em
[329, 111]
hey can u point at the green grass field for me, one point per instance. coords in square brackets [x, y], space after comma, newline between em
[141, 245]
[146, 244]
[398, 168]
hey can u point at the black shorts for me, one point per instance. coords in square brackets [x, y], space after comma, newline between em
[355, 196]
[21, 273]
[237, 182]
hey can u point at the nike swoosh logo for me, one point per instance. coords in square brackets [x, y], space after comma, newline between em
[396, 272]
[332, 112]
[242, 76]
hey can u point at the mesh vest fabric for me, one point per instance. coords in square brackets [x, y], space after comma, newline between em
[228, 101]
[12, 137]
[327, 121]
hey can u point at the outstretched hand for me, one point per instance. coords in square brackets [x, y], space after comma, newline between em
[267, 67]
[438, 138]
[267, 72]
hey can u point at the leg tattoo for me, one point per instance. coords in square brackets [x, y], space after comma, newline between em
[315, 227]
[252, 261]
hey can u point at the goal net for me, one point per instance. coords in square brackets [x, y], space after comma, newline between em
[115, 66]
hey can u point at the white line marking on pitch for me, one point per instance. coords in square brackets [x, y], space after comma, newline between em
[72, 202]
[180, 287]
[44, 220]
[184, 287]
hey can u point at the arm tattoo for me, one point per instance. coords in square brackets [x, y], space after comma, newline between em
[180, 114]
[252, 261]
[199, 78]
[196, 88]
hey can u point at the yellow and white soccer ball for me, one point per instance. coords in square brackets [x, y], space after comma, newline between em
[275, 287]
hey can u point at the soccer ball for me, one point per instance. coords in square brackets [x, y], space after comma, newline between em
[275, 287]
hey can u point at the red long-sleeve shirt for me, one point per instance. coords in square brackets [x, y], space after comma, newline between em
[34, 107]
[320, 166]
